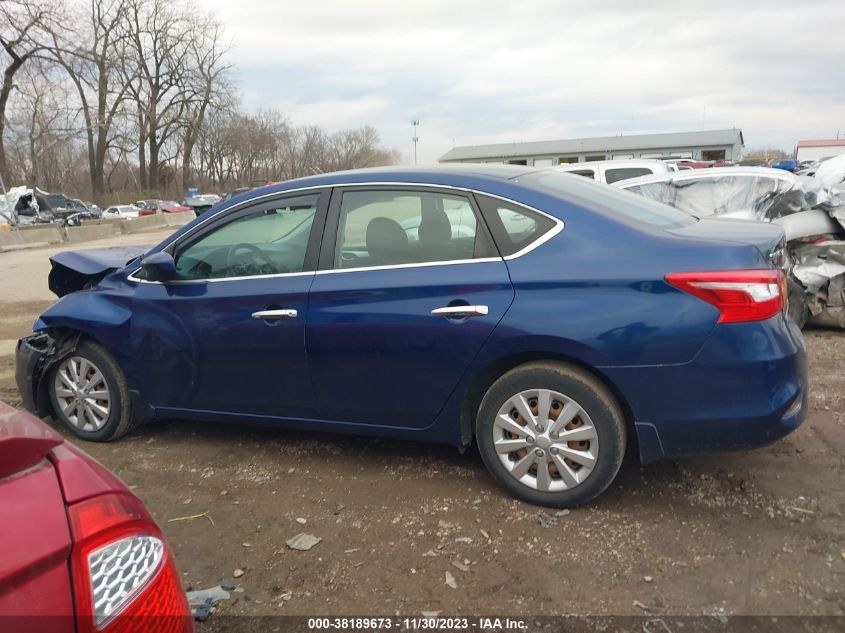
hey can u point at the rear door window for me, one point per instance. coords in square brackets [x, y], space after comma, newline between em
[380, 227]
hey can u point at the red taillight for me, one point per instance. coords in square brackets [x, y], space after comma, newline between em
[739, 295]
[124, 578]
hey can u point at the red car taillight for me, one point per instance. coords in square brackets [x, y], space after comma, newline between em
[124, 577]
[740, 295]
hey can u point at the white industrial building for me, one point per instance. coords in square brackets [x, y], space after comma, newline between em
[813, 150]
[705, 145]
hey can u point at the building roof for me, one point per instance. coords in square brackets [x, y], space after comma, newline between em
[834, 142]
[596, 144]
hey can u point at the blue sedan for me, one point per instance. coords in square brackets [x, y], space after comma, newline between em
[553, 321]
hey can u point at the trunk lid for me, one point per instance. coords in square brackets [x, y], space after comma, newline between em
[768, 238]
[34, 574]
[24, 440]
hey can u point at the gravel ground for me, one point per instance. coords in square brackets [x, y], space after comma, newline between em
[407, 528]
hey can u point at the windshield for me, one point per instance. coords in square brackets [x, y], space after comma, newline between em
[605, 199]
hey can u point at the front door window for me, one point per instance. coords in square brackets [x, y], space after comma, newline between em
[270, 240]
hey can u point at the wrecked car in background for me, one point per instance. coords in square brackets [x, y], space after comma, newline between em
[71, 211]
[20, 207]
[154, 207]
[811, 211]
[201, 203]
[831, 172]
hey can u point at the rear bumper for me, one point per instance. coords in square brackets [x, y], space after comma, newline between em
[747, 387]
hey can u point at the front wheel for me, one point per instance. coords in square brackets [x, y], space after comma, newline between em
[551, 433]
[89, 394]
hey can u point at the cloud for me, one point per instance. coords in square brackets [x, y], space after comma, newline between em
[476, 72]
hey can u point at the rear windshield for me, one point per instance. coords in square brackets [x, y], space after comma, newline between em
[605, 199]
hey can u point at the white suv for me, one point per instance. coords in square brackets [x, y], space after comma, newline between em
[610, 171]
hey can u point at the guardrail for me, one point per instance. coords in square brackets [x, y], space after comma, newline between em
[44, 234]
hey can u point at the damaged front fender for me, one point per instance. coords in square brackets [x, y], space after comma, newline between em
[35, 355]
[102, 316]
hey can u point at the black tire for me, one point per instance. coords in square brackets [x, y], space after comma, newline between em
[592, 396]
[121, 419]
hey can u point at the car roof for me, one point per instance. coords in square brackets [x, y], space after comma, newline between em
[708, 173]
[431, 173]
[446, 174]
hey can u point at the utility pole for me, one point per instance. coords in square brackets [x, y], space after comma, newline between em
[415, 138]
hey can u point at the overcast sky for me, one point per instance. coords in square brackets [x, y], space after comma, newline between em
[476, 71]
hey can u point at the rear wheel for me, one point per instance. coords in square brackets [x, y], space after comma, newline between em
[89, 394]
[551, 433]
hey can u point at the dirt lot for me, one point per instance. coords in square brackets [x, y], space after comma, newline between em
[745, 533]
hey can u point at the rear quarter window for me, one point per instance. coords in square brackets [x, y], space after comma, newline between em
[513, 226]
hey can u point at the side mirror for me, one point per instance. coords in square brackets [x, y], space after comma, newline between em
[159, 267]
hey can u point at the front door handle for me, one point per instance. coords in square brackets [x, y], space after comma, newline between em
[460, 311]
[272, 315]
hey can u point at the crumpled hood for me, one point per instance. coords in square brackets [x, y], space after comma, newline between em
[76, 270]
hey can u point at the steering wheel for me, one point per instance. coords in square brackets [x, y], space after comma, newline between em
[257, 254]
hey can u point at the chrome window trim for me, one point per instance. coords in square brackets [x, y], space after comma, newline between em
[545, 237]
[132, 277]
[448, 262]
[559, 226]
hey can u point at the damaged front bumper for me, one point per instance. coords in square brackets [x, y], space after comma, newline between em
[33, 357]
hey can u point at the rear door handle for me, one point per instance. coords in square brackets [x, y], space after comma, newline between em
[460, 311]
[272, 315]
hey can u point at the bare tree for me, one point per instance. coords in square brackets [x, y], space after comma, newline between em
[161, 49]
[209, 85]
[243, 147]
[136, 95]
[23, 28]
[41, 129]
[96, 58]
